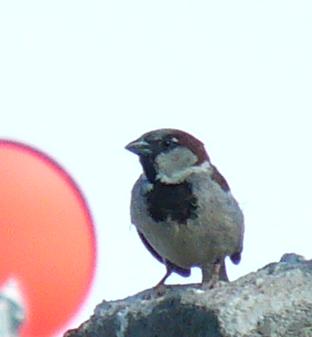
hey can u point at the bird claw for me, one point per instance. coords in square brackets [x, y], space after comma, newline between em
[160, 289]
[214, 280]
[212, 283]
[155, 292]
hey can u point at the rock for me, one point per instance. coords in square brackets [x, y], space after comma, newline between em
[275, 301]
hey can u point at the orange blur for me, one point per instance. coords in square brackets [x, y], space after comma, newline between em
[46, 237]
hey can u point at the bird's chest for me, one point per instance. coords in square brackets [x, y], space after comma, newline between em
[168, 217]
[189, 223]
[171, 203]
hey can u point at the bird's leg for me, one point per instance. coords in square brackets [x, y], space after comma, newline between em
[162, 281]
[223, 274]
[211, 274]
[160, 287]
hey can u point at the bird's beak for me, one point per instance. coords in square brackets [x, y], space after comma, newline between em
[139, 147]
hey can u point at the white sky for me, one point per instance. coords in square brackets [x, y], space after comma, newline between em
[80, 79]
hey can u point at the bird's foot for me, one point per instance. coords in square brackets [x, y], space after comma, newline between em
[212, 283]
[155, 292]
[160, 289]
[211, 277]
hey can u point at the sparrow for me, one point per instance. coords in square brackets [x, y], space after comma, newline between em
[182, 207]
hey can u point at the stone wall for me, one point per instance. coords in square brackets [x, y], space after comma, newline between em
[275, 301]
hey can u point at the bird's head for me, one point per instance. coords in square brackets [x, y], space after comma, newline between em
[169, 155]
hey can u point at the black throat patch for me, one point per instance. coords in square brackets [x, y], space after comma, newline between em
[175, 201]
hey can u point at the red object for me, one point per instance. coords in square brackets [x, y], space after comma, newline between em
[47, 237]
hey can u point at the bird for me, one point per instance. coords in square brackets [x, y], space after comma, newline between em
[183, 208]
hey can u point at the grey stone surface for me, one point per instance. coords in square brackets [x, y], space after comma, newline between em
[275, 301]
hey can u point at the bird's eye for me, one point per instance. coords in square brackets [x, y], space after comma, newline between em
[167, 142]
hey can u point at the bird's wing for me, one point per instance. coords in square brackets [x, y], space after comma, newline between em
[171, 266]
